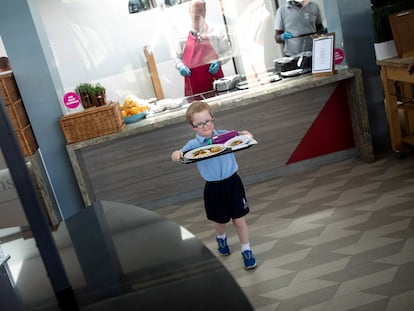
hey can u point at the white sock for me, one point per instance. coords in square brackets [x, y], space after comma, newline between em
[223, 236]
[245, 247]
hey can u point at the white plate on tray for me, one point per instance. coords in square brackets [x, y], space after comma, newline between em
[204, 152]
[238, 142]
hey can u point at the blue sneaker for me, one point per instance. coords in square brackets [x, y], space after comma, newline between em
[223, 248]
[249, 260]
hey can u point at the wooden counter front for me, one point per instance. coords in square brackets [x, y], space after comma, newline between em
[134, 166]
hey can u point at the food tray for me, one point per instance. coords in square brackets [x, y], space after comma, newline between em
[228, 149]
[92, 122]
[8, 88]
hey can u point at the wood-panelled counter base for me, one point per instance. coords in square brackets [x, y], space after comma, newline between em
[299, 123]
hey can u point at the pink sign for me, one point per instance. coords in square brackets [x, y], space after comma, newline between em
[71, 100]
[339, 56]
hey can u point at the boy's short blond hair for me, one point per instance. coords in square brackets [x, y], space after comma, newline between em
[197, 106]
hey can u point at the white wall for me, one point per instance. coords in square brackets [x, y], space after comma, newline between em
[99, 41]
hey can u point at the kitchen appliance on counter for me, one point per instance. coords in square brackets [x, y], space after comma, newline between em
[226, 83]
[294, 65]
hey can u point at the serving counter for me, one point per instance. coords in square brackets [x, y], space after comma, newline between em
[298, 122]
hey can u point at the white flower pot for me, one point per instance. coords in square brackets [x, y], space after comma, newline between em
[385, 50]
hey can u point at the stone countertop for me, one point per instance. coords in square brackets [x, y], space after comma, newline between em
[224, 101]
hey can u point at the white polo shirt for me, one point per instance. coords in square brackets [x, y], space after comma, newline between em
[298, 21]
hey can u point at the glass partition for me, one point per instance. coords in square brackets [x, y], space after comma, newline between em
[99, 41]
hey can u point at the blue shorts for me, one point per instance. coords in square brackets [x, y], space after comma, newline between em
[225, 199]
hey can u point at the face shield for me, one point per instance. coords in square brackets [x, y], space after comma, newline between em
[198, 15]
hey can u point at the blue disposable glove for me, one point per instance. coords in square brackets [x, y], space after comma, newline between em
[286, 35]
[214, 67]
[184, 71]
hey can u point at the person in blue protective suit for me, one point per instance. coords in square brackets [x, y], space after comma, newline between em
[295, 22]
[201, 54]
[224, 194]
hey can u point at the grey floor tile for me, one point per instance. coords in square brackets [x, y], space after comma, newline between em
[340, 237]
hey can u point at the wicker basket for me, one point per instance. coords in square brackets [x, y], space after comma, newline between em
[92, 122]
[27, 140]
[18, 115]
[8, 88]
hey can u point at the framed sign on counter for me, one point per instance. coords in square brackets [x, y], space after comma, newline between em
[323, 55]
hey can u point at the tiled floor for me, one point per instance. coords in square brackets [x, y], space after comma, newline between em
[337, 238]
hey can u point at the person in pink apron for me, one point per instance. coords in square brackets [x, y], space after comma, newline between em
[201, 54]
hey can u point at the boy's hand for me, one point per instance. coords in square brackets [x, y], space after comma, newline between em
[177, 155]
[246, 133]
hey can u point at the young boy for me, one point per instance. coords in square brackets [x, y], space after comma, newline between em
[224, 195]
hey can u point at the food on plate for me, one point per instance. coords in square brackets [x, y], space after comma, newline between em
[215, 149]
[203, 152]
[236, 142]
[133, 105]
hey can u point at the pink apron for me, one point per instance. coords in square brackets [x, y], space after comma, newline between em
[197, 55]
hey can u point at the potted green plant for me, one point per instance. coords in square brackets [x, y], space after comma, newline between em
[84, 90]
[92, 95]
[99, 95]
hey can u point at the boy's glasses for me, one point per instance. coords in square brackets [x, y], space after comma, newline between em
[202, 124]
